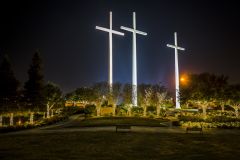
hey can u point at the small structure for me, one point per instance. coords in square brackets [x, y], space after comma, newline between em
[106, 110]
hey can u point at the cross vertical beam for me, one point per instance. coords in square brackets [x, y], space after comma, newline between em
[176, 69]
[134, 67]
[110, 51]
[110, 74]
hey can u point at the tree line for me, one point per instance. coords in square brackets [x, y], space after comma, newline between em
[206, 88]
[34, 96]
[101, 93]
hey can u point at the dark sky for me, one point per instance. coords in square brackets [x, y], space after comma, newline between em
[76, 54]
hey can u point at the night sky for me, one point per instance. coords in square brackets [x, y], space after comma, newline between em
[75, 54]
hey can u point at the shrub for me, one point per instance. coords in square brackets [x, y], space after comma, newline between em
[106, 115]
[137, 114]
[191, 118]
[121, 109]
[151, 109]
[119, 114]
[124, 114]
[176, 123]
[26, 123]
[124, 108]
[138, 110]
[74, 109]
[151, 115]
[162, 112]
[169, 105]
[221, 119]
[90, 110]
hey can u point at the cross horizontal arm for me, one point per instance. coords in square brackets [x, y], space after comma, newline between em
[119, 33]
[172, 46]
[132, 30]
[109, 30]
[140, 32]
[127, 29]
[181, 48]
[103, 29]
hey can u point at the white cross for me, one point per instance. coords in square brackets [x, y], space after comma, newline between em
[134, 68]
[176, 69]
[110, 46]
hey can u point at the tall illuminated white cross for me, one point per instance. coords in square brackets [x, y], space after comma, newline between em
[134, 67]
[176, 69]
[110, 46]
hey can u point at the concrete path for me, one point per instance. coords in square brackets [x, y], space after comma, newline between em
[60, 127]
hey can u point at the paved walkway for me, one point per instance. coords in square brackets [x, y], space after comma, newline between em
[60, 127]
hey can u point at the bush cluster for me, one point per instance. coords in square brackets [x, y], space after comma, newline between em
[90, 110]
[199, 114]
[137, 114]
[210, 125]
[121, 110]
[43, 121]
[106, 115]
[38, 123]
[213, 120]
[74, 109]
[122, 114]
[138, 110]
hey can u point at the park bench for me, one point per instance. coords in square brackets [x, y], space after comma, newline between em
[123, 127]
[194, 129]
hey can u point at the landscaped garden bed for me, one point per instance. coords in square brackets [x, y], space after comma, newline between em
[43, 121]
[212, 120]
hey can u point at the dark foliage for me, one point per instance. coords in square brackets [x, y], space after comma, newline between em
[35, 85]
[9, 85]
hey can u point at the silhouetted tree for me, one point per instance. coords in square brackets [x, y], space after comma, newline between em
[35, 85]
[9, 85]
[71, 97]
[222, 91]
[201, 88]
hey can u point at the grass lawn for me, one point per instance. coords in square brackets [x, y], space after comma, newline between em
[112, 145]
[113, 121]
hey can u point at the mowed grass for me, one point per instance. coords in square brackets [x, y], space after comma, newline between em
[112, 145]
[113, 121]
